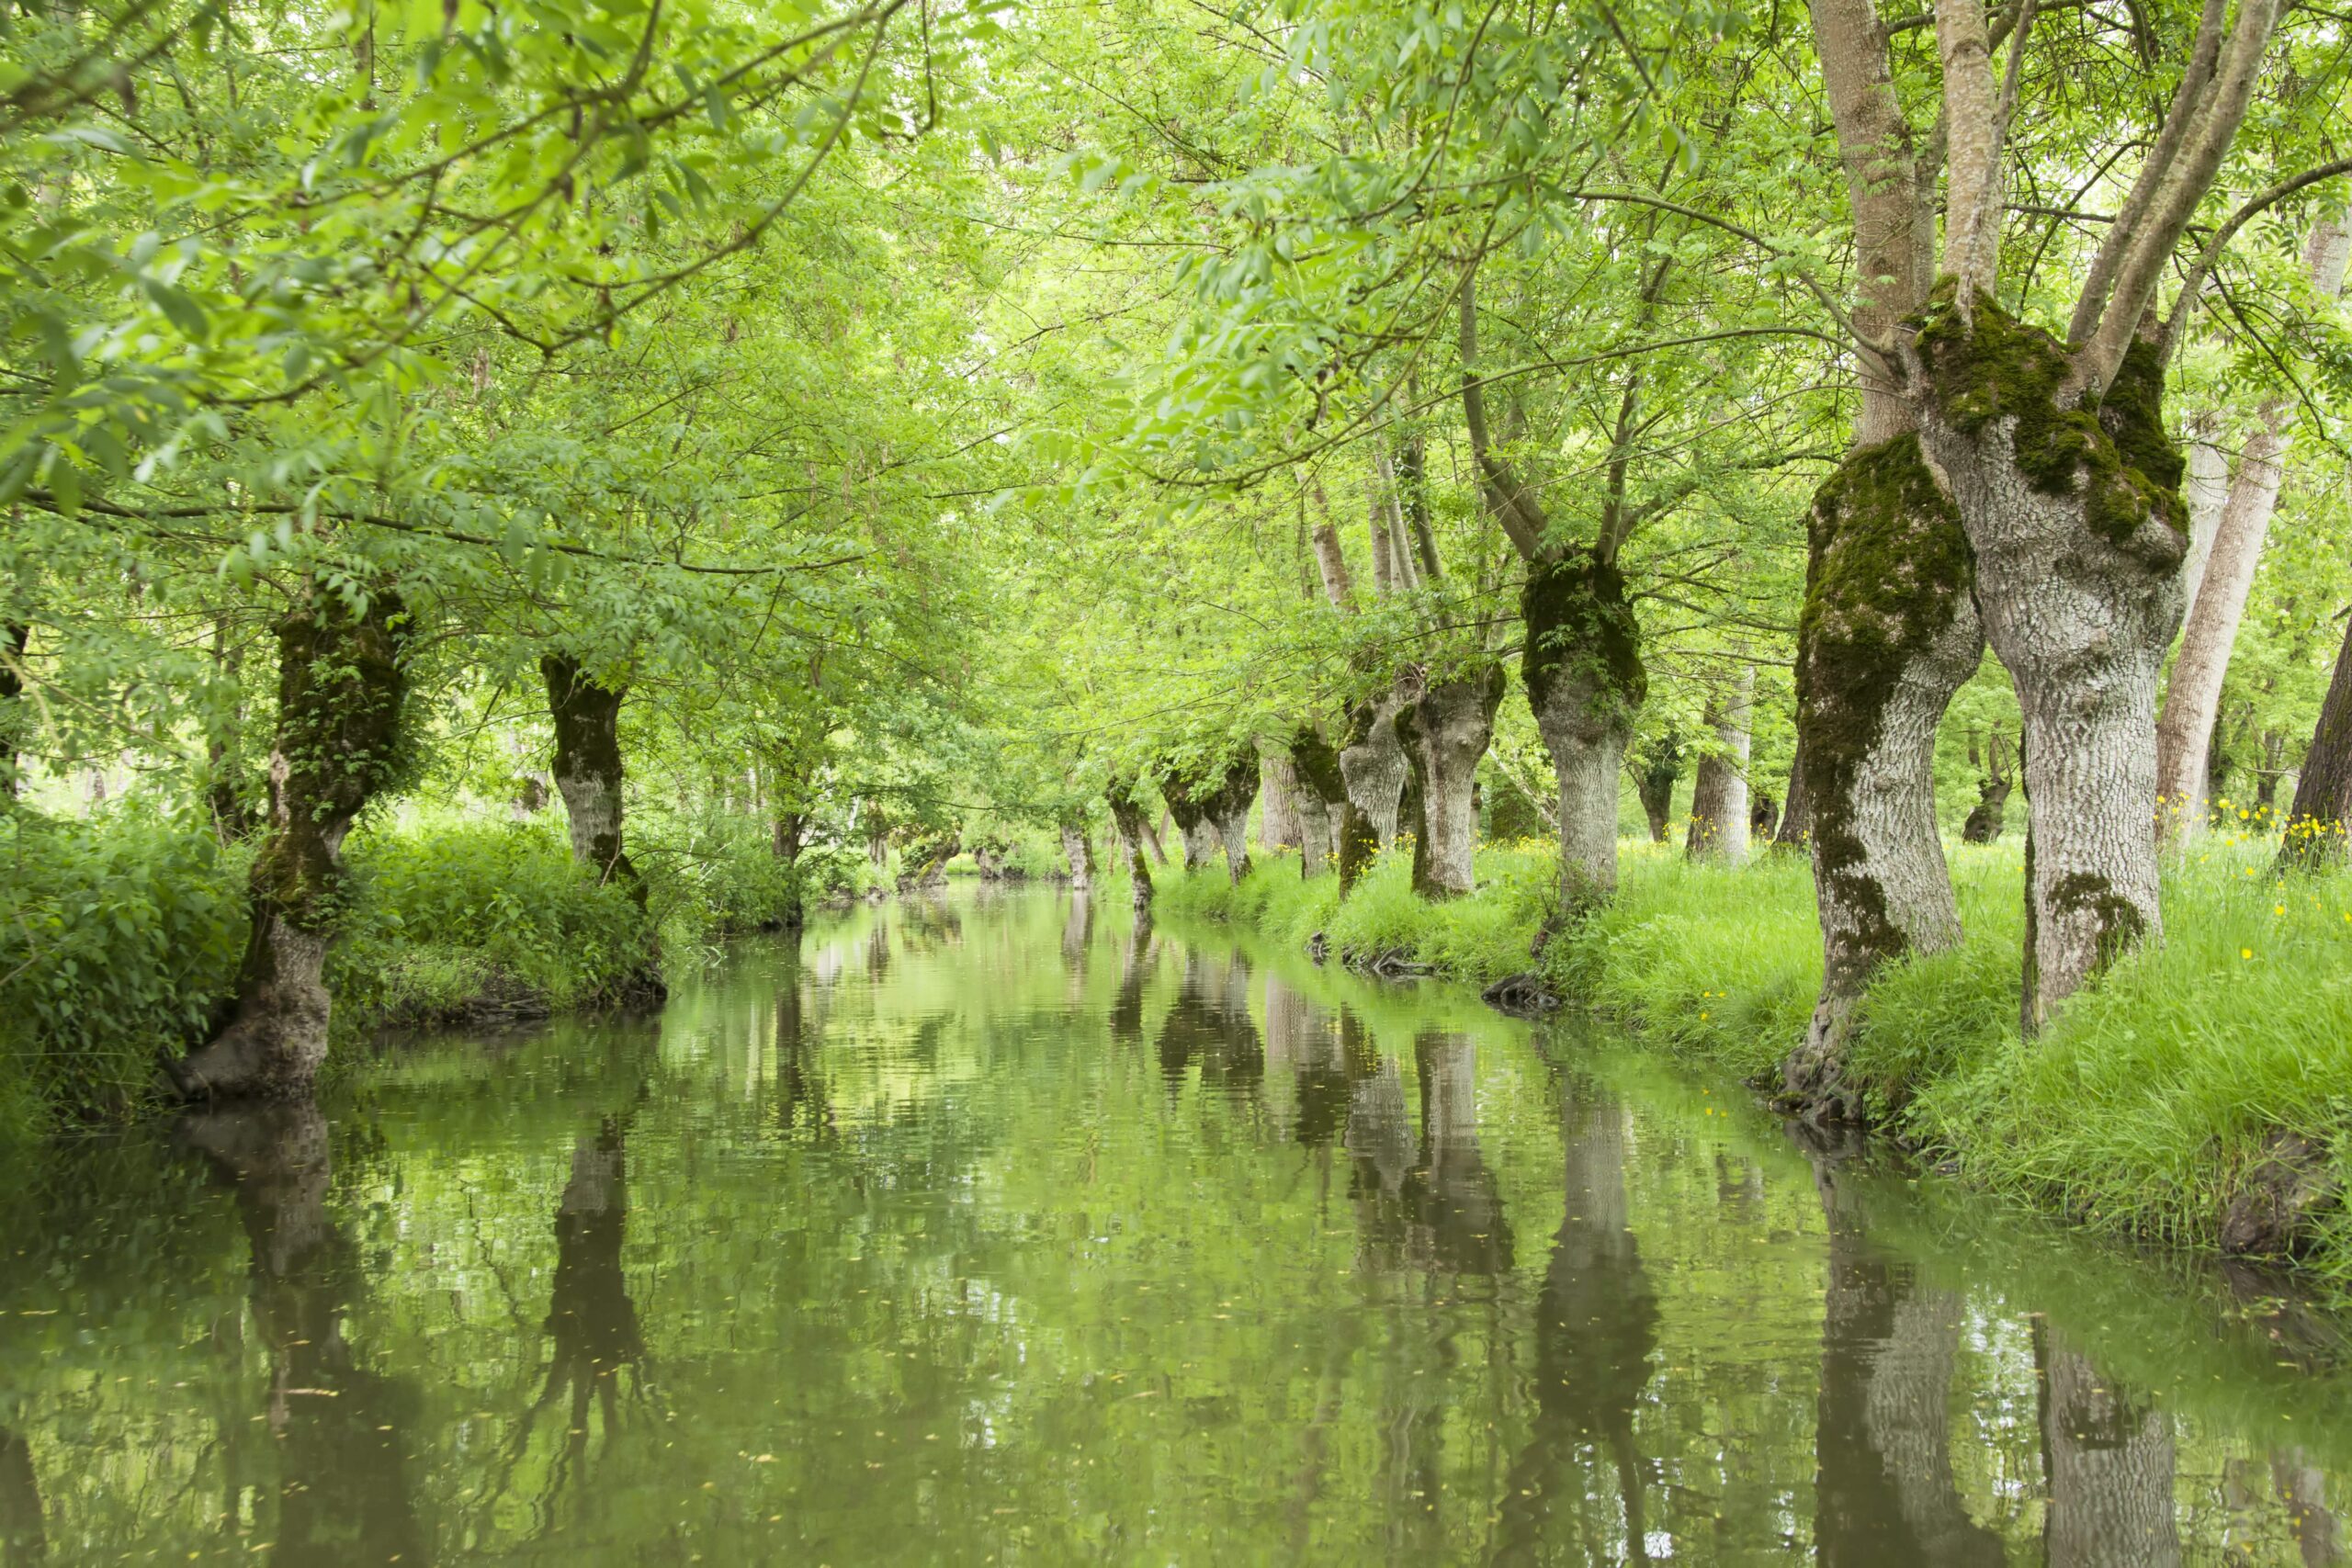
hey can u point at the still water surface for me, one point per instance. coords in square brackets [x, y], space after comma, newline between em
[991, 1231]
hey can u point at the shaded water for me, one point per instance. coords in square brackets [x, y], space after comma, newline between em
[985, 1232]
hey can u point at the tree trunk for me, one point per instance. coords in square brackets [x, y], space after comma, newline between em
[1797, 816]
[2110, 1465]
[1654, 785]
[2194, 696]
[341, 739]
[1228, 810]
[1719, 792]
[788, 836]
[2206, 492]
[2322, 816]
[1127, 817]
[1278, 781]
[1322, 797]
[587, 769]
[1582, 668]
[1374, 765]
[1189, 802]
[1078, 853]
[1452, 722]
[14, 635]
[2077, 527]
[1986, 818]
[1888, 634]
[1151, 837]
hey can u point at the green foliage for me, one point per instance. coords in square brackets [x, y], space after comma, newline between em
[453, 918]
[119, 936]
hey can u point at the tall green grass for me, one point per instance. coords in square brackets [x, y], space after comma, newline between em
[2142, 1108]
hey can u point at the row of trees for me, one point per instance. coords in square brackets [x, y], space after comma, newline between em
[884, 418]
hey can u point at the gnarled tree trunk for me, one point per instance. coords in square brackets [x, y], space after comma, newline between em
[341, 737]
[1719, 794]
[1887, 635]
[2321, 817]
[1374, 766]
[1228, 811]
[1281, 827]
[1078, 853]
[2077, 527]
[1452, 722]
[1655, 784]
[1582, 668]
[1322, 797]
[1127, 817]
[1986, 818]
[587, 768]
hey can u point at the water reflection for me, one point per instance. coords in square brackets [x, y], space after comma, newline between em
[1884, 1491]
[1578, 1490]
[906, 1252]
[22, 1538]
[336, 1426]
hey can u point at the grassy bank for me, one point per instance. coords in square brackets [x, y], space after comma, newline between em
[121, 934]
[2144, 1108]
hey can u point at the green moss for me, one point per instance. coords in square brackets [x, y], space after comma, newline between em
[2120, 923]
[1580, 626]
[1317, 763]
[1887, 567]
[2112, 451]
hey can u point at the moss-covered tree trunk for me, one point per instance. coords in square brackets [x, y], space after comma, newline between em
[1582, 668]
[1888, 632]
[341, 737]
[1322, 798]
[2073, 509]
[14, 635]
[1374, 765]
[2321, 817]
[588, 772]
[1128, 818]
[1189, 800]
[1452, 722]
[2110, 1458]
[1228, 811]
[1718, 820]
[1655, 784]
[1987, 816]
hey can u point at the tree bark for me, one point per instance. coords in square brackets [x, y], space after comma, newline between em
[1128, 818]
[1887, 635]
[341, 739]
[2205, 492]
[1582, 668]
[1322, 797]
[1189, 801]
[587, 768]
[1281, 825]
[1374, 765]
[1228, 810]
[2077, 527]
[1452, 722]
[1796, 814]
[14, 635]
[1986, 818]
[2321, 817]
[1654, 785]
[1719, 792]
[1078, 853]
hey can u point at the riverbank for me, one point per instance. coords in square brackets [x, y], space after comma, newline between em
[120, 937]
[2204, 1076]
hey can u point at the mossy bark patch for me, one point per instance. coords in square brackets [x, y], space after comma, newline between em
[1887, 569]
[1580, 626]
[2112, 450]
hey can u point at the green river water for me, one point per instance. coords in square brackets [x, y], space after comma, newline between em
[989, 1231]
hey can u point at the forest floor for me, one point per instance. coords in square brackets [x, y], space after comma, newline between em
[2207, 1077]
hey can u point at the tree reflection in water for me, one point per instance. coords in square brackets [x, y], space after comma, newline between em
[343, 1496]
[1595, 1328]
[1883, 1490]
[22, 1538]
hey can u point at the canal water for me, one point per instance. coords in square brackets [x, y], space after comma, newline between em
[995, 1230]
